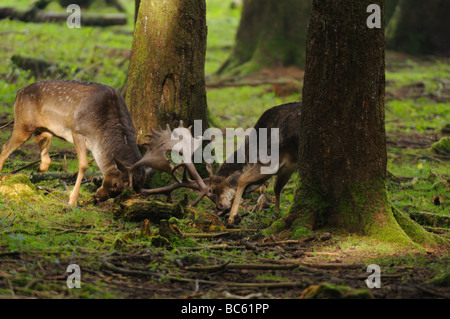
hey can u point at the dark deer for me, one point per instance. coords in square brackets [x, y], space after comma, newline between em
[232, 180]
[90, 115]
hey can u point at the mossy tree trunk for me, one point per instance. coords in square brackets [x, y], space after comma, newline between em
[420, 27]
[166, 78]
[271, 33]
[342, 132]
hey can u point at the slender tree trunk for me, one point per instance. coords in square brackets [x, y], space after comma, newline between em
[420, 27]
[342, 133]
[166, 78]
[391, 6]
[271, 33]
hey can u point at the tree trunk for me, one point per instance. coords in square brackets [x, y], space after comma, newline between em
[166, 78]
[420, 27]
[342, 134]
[271, 33]
[391, 6]
[137, 3]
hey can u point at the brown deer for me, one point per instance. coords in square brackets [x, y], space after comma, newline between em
[232, 180]
[90, 115]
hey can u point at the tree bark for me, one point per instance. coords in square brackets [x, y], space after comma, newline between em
[166, 78]
[342, 133]
[420, 27]
[271, 33]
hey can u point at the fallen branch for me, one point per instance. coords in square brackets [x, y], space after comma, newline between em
[39, 177]
[215, 247]
[429, 219]
[433, 292]
[281, 242]
[206, 235]
[332, 265]
[39, 16]
[6, 125]
[107, 263]
[227, 84]
[28, 165]
[41, 68]
[228, 265]
[136, 209]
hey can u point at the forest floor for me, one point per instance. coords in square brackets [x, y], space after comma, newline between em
[197, 256]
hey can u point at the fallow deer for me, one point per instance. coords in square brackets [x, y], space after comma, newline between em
[90, 115]
[232, 180]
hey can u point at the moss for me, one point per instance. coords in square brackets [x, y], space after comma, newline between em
[276, 227]
[416, 232]
[19, 185]
[364, 209]
[442, 280]
[332, 291]
[160, 242]
[442, 146]
[300, 232]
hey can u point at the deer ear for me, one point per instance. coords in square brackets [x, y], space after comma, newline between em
[210, 169]
[233, 179]
[121, 166]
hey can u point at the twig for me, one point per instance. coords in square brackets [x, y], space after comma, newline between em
[281, 242]
[106, 262]
[210, 268]
[331, 265]
[205, 235]
[28, 165]
[218, 246]
[6, 125]
[229, 265]
[229, 295]
[432, 292]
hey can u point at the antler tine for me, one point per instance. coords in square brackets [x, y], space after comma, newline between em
[161, 142]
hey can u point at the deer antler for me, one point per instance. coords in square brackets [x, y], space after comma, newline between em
[163, 141]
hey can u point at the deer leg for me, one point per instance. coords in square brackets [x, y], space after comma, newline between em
[19, 136]
[253, 175]
[43, 141]
[280, 182]
[80, 147]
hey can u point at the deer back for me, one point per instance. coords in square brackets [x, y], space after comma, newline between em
[96, 111]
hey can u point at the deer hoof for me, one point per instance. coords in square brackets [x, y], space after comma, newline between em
[234, 220]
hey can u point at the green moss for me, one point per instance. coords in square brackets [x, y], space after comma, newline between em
[300, 232]
[442, 280]
[160, 241]
[18, 186]
[416, 232]
[332, 291]
[442, 146]
[364, 209]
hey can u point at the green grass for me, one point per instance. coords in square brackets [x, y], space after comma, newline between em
[420, 115]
